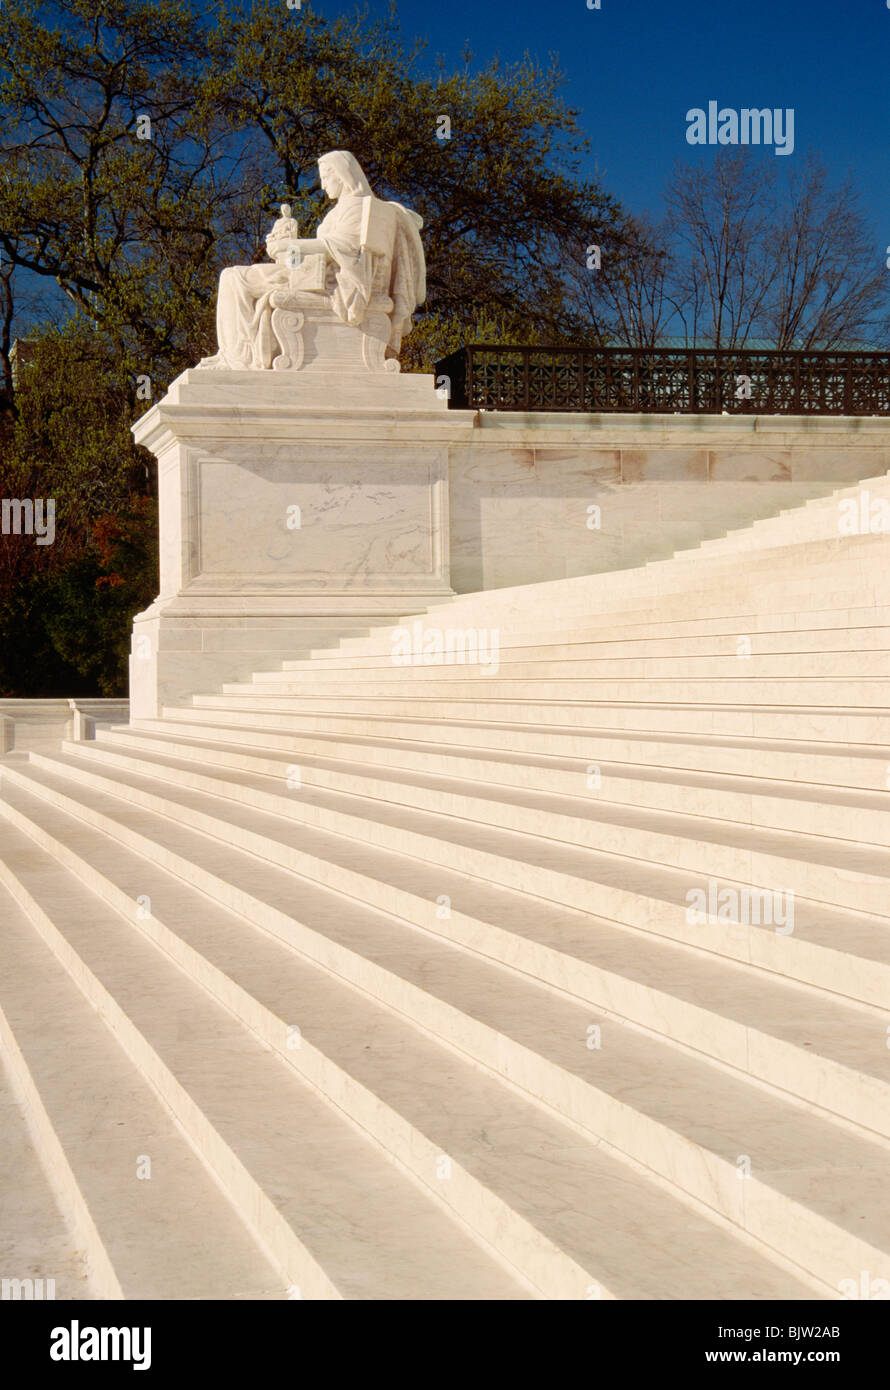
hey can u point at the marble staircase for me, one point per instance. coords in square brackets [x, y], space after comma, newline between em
[391, 971]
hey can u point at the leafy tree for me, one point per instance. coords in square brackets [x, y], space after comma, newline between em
[241, 102]
[146, 144]
[65, 607]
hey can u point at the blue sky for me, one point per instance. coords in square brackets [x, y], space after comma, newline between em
[636, 66]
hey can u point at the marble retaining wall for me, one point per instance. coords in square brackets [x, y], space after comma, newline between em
[525, 488]
[36, 725]
[298, 508]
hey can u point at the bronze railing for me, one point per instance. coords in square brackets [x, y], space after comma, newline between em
[667, 380]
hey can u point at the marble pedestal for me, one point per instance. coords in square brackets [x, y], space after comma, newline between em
[294, 508]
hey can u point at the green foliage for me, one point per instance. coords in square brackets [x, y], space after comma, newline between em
[91, 602]
[71, 436]
[66, 626]
[242, 101]
[66, 608]
[128, 235]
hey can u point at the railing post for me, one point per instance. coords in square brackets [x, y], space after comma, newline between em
[797, 408]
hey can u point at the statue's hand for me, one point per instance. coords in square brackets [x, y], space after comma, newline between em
[310, 246]
[291, 251]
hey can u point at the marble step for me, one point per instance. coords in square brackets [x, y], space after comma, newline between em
[379, 771]
[337, 1217]
[832, 871]
[633, 624]
[821, 644]
[580, 608]
[686, 1123]
[38, 1241]
[845, 520]
[168, 1236]
[847, 561]
[812, 723]
[845, 952]
[849, 666]
[200, 634]
[785, 557]
[361, 1067]
[769, 577]
[817, 517]
[807, 539]
[553, 759]
[694, 1021]
[731, 680]
[740, 751]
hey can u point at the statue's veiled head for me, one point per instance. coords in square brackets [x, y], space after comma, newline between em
[340, 172]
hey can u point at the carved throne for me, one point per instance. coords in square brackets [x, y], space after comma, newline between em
[296, 325]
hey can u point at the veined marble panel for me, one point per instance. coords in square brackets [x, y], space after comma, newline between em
[579, 464]
[838, 466]
[674, 465]
[316, 514]
[750, 465]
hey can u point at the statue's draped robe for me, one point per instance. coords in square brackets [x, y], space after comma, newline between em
[242, 320]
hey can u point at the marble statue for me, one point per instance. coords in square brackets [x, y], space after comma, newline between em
[343, 298]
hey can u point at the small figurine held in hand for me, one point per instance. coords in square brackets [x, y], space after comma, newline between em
[282, 243]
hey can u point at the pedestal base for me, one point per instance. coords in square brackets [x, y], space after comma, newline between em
[294, 509]
[182, 647]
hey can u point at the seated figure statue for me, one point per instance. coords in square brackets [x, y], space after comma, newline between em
[343, 298]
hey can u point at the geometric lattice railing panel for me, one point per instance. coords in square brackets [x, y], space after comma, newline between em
[668, 380]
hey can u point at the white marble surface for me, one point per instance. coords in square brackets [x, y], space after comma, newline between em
[523, 488]
[400, 496]
[316, 500]
[345, 296]
[364, 513]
